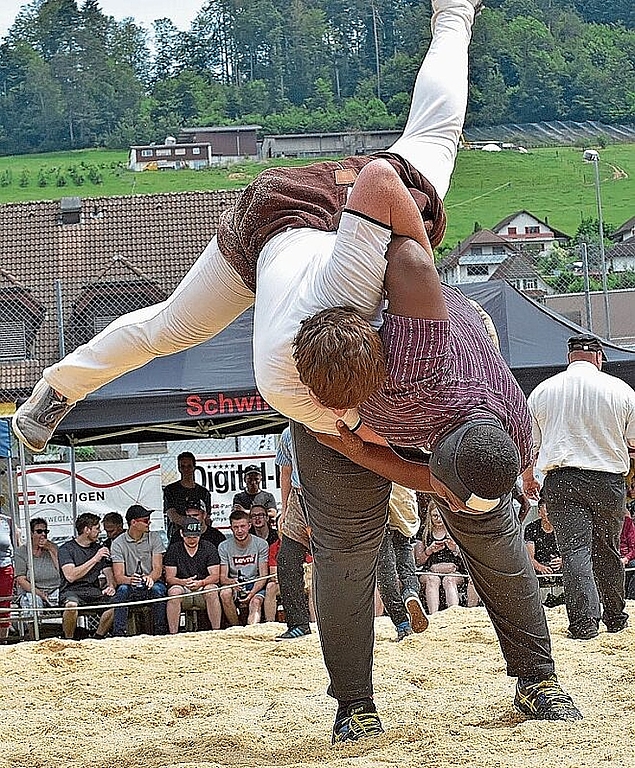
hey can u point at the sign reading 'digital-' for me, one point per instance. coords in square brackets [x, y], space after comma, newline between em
[101, 486]
[224, 477]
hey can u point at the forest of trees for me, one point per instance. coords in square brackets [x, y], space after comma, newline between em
[72, 77]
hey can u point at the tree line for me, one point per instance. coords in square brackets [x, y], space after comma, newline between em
[73, 77]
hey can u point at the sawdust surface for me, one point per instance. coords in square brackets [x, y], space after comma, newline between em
[236, 698]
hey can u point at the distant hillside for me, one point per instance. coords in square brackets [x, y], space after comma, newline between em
[553, 183]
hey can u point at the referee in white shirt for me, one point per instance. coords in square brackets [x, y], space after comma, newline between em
[583, 429]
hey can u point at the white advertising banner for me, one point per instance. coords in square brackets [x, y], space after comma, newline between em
[101, 486]
[223, 476]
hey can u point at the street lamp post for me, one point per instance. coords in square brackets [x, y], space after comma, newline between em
[592, 156]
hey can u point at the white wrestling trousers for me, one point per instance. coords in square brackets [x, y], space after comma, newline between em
[212, 294]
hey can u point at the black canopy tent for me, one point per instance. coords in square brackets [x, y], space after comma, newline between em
[209, 390]
[206, 391]
[533, 339]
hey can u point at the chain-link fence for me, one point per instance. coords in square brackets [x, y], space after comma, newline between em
[40, 321]
[70, 267]
[599, 299]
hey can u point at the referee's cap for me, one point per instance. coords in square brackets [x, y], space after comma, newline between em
[585, 342]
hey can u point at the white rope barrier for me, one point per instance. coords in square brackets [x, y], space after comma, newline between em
[16, 612]
[131, 603]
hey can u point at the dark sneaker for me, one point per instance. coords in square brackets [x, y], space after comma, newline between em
[584, 632]
[35, 420]
[403, 630]
[294, 632]
[357, 720]
[545, 700]
[418, 619]
[551, 601]
[616, 625]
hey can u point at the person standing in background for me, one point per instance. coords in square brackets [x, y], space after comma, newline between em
[6, 574]
[184, 494]
[583, 424]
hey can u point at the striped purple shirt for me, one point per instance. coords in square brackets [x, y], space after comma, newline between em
[442, 373]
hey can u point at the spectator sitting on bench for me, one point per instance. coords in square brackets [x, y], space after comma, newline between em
[260, 520]
[627, 539]
[540, 540]
[112, 523]
[137, 564]
[440, 557]
[192, 565]
[45, 568]
[208, 533]
[243, 558]
[272, 590]
[82, 561]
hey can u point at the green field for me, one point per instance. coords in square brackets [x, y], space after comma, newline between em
[551, 183]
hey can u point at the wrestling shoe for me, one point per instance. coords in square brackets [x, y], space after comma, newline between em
[294, 632]
[35, 420]
[357, 720]
[545, 700]
[418, 619]
[404, 630]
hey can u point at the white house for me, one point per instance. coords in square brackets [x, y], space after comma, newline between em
[528, 232]
[625, 232]
[621, 256]
[484, 255]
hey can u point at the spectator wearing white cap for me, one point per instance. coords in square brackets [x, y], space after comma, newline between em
[192, 566]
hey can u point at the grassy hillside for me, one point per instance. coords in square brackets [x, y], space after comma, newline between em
[551, 183]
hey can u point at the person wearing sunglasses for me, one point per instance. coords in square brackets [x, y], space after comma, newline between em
[45, 569]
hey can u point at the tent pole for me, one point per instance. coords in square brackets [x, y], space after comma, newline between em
[11, 487]
[73, 484]
[29, 541]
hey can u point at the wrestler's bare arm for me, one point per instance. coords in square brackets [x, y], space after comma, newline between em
[381, 195]
[378, 458]
[412, 282]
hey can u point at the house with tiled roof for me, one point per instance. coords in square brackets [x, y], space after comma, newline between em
[484, 255]
[67, 268]
[621, 256]
[625, 232]
[529, 233]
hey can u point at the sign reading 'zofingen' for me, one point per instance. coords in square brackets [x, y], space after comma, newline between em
[101, 486]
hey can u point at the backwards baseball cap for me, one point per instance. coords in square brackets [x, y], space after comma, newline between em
[191, 527]
[252, 468]
[585, 342]
[136, 511]
[445, 461]
[260, 500]
[199, 504]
